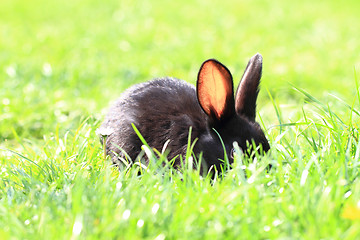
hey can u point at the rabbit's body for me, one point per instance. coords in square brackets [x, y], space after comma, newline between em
[164, 109]
[179, 111]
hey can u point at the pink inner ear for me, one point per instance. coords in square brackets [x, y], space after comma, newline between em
[214, 88]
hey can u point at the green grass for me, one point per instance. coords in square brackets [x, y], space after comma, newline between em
[61, 63]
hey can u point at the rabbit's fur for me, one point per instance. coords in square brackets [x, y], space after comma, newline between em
[164, 109]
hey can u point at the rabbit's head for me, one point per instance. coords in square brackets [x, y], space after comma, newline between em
[232, 118]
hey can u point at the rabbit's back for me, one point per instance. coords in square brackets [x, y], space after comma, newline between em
[162, 109]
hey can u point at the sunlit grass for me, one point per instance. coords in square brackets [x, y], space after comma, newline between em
[61, 63]
[64, 188]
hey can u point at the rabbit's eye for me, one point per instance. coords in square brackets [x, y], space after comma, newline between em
[232, 153]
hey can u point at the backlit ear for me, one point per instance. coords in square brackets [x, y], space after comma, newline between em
[215, 90]
[247, 92]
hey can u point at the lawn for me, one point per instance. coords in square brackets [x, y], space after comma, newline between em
[62, 63]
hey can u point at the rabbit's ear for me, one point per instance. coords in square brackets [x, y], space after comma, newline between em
[247, 92]
[215, 90]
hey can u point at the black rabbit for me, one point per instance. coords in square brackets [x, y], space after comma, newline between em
[165, 108]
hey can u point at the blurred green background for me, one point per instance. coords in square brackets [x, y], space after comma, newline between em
[62, 61]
